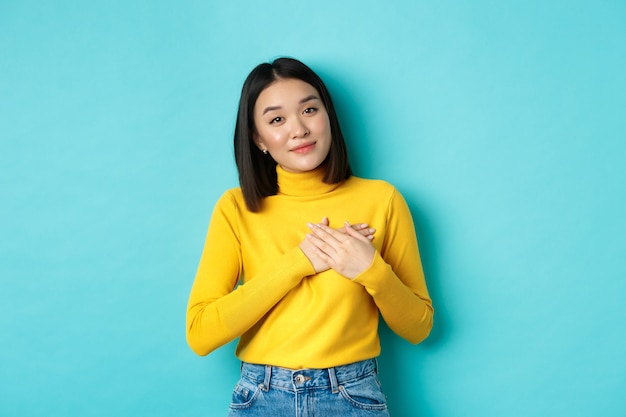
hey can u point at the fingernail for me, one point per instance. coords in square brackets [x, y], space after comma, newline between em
[371, 230]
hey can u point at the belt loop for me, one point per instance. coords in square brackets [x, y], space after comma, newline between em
[334, 385]
[268, 375]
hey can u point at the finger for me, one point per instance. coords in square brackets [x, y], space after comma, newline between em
[362, 228]
[351, 232]
[329, 240]
[369, 233]
[324, 250]
[359, 227]
[328, 234]
[313, 254]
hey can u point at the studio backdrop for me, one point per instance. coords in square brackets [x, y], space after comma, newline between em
[502, 123]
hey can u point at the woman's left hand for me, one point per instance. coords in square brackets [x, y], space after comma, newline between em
[347, 252]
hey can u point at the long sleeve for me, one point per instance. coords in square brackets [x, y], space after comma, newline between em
[254, 283]
[395, 279]
[217, 312]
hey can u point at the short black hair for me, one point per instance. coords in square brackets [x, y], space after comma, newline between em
[257, 171]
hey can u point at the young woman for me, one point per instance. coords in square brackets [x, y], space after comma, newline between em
[312, 277]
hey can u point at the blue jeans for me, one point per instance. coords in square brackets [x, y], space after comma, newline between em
[348, 391]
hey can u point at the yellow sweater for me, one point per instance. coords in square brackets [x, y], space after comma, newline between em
[284, 313]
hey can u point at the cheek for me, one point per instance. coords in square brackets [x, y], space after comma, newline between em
[273, 137]
[322, 125]
[276, 137]
[265, 133]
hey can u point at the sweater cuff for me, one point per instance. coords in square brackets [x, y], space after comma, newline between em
[300, 263]
[374, 277]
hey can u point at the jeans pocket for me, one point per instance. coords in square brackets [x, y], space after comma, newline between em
[244, 394]
[365, 393]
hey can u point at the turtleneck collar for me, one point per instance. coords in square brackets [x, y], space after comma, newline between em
[303, 183]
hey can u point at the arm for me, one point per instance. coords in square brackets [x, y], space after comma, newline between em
[217, 313]
[395, 279]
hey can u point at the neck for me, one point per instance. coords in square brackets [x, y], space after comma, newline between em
[303, 183]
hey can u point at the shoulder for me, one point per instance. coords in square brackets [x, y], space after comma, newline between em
[231, 201]
[380, 187]
[382, 191]
[233, 194]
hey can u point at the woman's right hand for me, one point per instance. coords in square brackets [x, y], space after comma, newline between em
[311, 252]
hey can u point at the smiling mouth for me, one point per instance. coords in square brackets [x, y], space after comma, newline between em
[304, 148]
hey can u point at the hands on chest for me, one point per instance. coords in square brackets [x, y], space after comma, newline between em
[347, 250]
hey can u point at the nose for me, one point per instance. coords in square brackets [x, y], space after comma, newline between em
[298, 129]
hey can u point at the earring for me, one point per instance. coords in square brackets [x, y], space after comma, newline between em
[264, 151]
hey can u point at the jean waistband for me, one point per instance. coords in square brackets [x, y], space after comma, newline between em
[274, 376]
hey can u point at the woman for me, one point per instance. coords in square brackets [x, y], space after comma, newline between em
[306, 310]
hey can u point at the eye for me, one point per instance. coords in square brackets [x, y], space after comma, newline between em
[310, 110]
[276, 120]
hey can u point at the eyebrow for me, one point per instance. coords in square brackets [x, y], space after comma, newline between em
[304, 100]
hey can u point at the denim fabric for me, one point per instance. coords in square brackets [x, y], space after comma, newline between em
[347, 391]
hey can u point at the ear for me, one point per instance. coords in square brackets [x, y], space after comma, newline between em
[258, 142]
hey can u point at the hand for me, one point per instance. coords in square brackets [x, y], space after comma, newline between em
[312, 253]
[346, 251]
[362, 228]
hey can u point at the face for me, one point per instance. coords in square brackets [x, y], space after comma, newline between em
[292, 125]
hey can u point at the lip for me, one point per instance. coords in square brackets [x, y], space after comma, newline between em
[304, 148]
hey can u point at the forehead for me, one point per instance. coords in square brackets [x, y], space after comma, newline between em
[284, 92]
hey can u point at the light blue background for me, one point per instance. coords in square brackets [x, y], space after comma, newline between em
[502, 123]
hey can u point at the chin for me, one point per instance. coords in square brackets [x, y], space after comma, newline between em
[304, 167]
